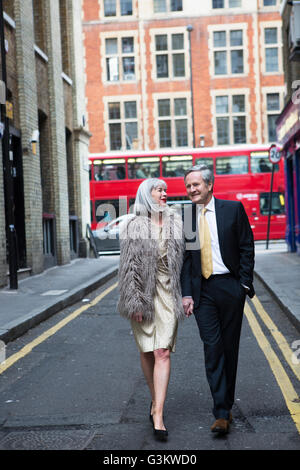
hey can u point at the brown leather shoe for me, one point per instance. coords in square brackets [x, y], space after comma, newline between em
[220, 426]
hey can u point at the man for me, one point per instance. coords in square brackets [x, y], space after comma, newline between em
[216, 276]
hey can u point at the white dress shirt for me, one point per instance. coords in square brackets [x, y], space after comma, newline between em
[218, 264]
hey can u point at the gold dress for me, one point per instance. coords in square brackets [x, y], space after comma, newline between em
[162, 332]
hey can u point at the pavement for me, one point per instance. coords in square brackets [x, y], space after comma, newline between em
[40, 296]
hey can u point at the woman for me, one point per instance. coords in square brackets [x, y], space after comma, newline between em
[152, 247]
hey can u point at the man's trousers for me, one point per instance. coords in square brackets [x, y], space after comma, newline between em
[219, 318]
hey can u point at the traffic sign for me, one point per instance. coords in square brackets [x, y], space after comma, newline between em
[274, 154]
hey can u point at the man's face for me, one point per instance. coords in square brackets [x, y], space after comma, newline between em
[197, 190]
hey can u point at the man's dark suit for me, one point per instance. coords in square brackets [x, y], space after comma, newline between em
[219, 301]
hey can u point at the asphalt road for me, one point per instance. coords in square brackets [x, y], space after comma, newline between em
[78, 385]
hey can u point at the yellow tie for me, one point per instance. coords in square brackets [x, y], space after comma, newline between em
[205, 246]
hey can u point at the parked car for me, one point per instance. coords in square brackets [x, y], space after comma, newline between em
[107, 237]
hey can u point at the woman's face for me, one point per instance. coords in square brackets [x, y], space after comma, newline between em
[159, 195]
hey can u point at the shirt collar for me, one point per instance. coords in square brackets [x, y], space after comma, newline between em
[210, 206]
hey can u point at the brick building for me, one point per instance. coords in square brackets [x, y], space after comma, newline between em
[288, 123]
[144, 68]
[45, 89]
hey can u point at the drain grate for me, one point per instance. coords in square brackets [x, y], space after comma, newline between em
[47, 440]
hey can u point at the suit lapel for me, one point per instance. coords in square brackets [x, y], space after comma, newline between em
[220, 218]
[194, 218]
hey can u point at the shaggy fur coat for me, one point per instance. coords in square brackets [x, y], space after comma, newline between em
[138, 261]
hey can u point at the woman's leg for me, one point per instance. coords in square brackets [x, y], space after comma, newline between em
[147, 362]
[161, 376]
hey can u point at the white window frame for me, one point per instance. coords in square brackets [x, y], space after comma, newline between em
[211, 49]
[169, 52]
[168, 9]
[118, 15]
[121, 99]
[173, 118]
[226, 6]
[279, 45]
[269, 7]
[265, 112]
[119, 35]
[230, 114]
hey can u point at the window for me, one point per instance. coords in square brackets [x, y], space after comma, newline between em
[162, 6]
[277, 203]
[271, 49]
[170, 55]
[119, 54]
[176, 165]
[237, 165]
[64, 37]
[205, 161]
[260, 163]
[123, 125]
[117, 8]
[228, 52]
[231, 119]
[229, 3]
[172, 122]
[126, 7]
[109, 169]
[268, 3]
[110, 7]
[218, 4]
[273, 108]
[39, 15]
[8, 7]
[176, 5]
[143, 167]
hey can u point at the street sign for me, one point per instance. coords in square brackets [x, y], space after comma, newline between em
[274, 157]
[274, 154]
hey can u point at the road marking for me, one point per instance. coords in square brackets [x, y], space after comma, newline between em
[287, 389]
[30, 346]
[278, 336]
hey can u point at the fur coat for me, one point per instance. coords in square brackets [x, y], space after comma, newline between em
[138, 261]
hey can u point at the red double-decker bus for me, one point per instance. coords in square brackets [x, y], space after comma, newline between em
[242, 173]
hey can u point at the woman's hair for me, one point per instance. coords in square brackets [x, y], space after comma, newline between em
[206, 172]
[144, 203]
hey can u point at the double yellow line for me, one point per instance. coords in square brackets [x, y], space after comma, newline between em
[30, 346]
[290, 395]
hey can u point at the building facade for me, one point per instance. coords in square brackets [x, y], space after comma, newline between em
[180, 73]
[48, 136]
[288, 124]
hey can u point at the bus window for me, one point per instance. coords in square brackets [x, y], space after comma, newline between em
[261, 163]
[277, 203]
[205, 161]
[109, 169]
[176, 165]
[237, 165]
[147, 167]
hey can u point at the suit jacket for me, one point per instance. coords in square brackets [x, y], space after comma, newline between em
[236, 247]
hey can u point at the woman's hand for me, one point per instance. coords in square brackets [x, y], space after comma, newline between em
[138, 317]
[188, 306]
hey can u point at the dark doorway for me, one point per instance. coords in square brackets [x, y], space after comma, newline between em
[18, 190]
